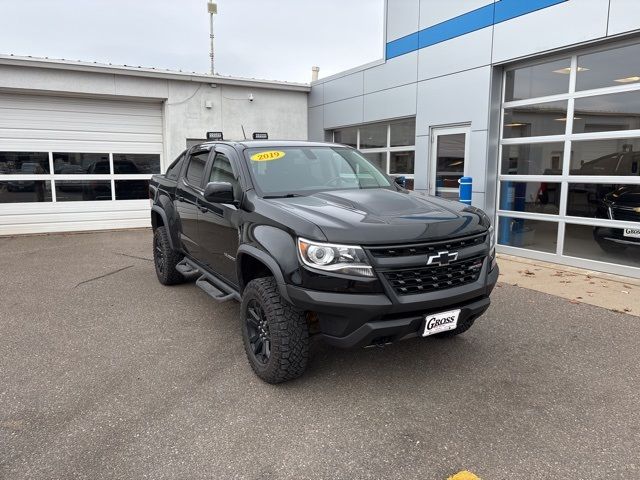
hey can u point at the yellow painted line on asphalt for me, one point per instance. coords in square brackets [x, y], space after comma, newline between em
[464, 475]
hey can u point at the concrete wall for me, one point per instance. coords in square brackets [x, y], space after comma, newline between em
[279, 110]
[283, 114]
[456, 80]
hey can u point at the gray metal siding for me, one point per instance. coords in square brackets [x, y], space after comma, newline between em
[569, 23]
[624, 16]
[402, 18]
[392, 103]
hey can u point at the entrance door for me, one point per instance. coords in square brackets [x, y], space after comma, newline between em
[449, 160]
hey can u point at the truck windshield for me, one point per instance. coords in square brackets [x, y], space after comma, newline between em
[281, 171]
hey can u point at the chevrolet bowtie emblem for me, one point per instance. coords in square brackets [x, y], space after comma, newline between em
[442, 258]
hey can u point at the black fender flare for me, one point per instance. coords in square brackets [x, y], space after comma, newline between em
[271, 264]
[165, 221]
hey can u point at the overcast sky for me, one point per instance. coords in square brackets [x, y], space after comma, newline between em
[272, 39]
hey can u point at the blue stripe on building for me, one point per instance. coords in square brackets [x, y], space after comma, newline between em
[482, 17]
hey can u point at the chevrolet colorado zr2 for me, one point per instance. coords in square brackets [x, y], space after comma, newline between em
[313, 240]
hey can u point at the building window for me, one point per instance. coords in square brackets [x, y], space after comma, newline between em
[390, 146]
[570, 159]
[27, 177]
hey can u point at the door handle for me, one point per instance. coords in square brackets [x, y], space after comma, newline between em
[203, 209]
[180, 198]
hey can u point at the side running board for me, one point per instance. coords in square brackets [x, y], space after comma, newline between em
[211, 285]
[211, 290]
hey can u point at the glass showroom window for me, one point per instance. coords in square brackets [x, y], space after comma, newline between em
[390, 145]
[75, 176]
[569, 170]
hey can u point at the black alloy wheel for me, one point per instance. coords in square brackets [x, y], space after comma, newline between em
[275, 334]
[160, 258]
[258, 330]
[165, 258]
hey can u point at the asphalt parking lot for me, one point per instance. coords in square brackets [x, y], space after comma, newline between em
[104, 373]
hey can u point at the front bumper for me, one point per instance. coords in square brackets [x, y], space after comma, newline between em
[354, 320]
[614, 235]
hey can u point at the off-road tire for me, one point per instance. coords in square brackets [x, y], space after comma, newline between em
[287, 328]
[165, 258]
[461, 328]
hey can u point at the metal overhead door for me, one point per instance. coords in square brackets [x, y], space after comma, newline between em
[74, 163]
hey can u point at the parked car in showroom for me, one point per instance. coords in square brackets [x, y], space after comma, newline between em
[314, 240]
[621, 204]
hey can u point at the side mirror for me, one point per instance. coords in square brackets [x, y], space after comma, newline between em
[218, 192]
[401, 180]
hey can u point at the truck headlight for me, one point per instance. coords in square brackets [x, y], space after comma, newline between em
[347, 259]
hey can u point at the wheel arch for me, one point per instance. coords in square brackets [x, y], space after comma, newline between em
[255, 263]
[159, 219]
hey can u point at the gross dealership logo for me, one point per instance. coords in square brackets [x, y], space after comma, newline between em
[436, 322]
[442, 258]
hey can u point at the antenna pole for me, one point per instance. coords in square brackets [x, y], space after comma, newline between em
[212, 8]
[243, 134]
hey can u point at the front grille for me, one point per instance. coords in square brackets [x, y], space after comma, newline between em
[431, 279]
[625, 215]
[427, 248]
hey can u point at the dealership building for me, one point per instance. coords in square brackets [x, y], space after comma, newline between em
[538, 101]
[79, 141]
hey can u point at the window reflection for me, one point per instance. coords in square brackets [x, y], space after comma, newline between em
[532, 159]
[132, 189]
[79, 190]
[537, 197]
[80, 163]
[606, 157]
[604, 244]
[379, 159]
[549, 118]
[615, 67]
[609, 201]
[373, 136]
[450, 159]
[525, 233]
[346, 136]
[607, 113]
[136, 163]
[402, 162]
[18, 191]
[538, 80]
[24, 163]
[403, 133]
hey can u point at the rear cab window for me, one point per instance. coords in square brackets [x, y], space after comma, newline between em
[196, 168]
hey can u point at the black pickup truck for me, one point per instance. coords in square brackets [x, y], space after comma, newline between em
[314, 240]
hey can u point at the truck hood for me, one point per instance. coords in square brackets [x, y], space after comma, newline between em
[380, 216]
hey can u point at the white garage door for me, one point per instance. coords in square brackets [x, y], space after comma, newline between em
[72, 163]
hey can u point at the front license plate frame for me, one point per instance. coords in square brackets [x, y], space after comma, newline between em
[440, 322]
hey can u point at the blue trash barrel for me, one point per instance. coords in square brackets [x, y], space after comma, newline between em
[466, 184]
